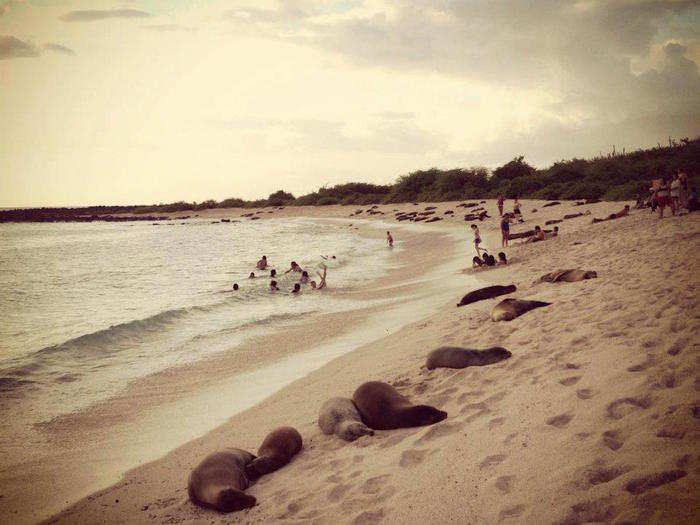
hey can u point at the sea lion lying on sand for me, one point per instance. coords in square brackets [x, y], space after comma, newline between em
[509, 309]
[455, 357]
[340, 416]
[276, 451]
[568, 276]
[383, 408]
[488, 292]
[219, 480]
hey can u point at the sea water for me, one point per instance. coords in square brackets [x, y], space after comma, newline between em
[87, 307]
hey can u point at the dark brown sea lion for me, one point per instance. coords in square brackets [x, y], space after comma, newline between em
[509, 309]
[568, 276]
[488, 292]
[383, 408]
[455, 357]
[340, 416]
[219, 480]
[276, 451]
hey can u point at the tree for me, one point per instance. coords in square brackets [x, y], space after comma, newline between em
[514, 169]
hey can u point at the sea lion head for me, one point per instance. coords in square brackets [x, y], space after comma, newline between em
[351, 430]
[421, 415]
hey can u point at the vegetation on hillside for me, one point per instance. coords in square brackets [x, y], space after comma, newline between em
[611, 177]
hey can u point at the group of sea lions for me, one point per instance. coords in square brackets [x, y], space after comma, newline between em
[220, 480]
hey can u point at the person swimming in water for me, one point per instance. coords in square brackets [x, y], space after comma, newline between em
[235, 287]
[262, 263]
[273, 286]
[502, 258]
[304, 277]
[273, 273]
[297, 288]
[294, 268]
[389, 240]
[252, 275]
[322, 283]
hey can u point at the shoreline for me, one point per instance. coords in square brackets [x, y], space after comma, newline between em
[131, 423]
[592, 419]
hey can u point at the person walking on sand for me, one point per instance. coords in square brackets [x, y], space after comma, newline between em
[663, 197]
[389, 240]
[505, 229]
[499, 201]
[477, 239]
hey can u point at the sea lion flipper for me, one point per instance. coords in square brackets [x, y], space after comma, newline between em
[230, 500]
[264, 465]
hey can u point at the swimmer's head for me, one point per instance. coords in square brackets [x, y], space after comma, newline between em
[273, 284]
[502, 256]
[273, 272]
[235, 286]
[473, 226]
[294, 264]
[476, 260]
[297, 288]
[264, 258]
[252, 275]
[304, 273]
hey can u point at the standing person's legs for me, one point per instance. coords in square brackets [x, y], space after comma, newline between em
[661, 205]
[674, 205]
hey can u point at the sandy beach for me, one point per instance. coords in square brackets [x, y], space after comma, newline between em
[594, 418]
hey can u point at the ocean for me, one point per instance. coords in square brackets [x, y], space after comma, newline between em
[87, 307]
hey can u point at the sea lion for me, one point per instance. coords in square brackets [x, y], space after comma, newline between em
[383, 408]
[509, 309]
[219, 480]
[455, 357]
[340, 416]
[488, 292]
[568, 276]
[275, 452]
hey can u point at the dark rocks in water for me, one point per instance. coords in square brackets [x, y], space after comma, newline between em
[509, 309]
[225, 220]
[553, 203]
[456, 357]
[488, 292]
[553, 221]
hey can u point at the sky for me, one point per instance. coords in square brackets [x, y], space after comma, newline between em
[163, 100]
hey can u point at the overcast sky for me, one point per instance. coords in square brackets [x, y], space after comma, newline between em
[161, 100]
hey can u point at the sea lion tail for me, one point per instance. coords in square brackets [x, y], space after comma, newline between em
[230, 500]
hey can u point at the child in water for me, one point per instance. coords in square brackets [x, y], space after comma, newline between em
[297, 288]
[273, 286]
[389, 240]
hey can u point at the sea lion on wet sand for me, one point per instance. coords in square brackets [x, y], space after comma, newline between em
[340, 416]
[486, 293]
[383, 408]
[219, 480]
[456, 357]
[276, 451]
[568, 276]
[509, 309]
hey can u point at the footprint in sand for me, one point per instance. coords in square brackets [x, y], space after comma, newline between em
[511, 512]
[643, 484]
[568, 381]
[490, 461]
[560, 421]
[505, 484]
[337, 492]
[595, 511]
[585, 393]
[613, 439]
[369, 516]
[598, 473]
[623, 406]
[413, 457]
[375, 484]
[496, 422]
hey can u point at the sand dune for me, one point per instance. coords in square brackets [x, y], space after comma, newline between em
[595, 417]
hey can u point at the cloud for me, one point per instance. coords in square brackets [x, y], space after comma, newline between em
[90, 15]
[11, 47]
[58, 48]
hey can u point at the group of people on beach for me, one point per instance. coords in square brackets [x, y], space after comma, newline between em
[674, 193]
[304, 278]
[506, 218]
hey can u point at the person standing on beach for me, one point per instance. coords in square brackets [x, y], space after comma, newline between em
[675, 193]
[389, 240]
[499, 201]
[683, 190]
[505, 229]
[516, 210]
[477, 239]
[663, 197]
